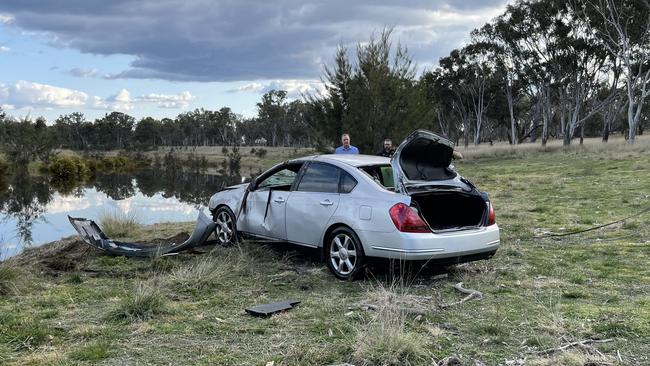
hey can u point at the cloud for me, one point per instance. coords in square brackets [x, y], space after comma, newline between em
[121, 101]
[294, 87]
[206, 40]
[82, 72]
[181, 100]
[30, 94]
[6, 18]
[253, 87]
[4, 49]
[26, 94]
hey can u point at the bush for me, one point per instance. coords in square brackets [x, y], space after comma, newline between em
[68, 168]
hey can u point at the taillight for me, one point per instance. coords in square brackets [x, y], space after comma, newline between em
[407, 220]
[492, 216]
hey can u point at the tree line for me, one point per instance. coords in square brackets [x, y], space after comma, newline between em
[544, 69]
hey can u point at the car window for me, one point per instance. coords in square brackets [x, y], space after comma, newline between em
[320, 177]
[382, 174]
[347, 183]
[283, 178]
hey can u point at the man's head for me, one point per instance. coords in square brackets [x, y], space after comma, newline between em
[345, 140]
[388, 144]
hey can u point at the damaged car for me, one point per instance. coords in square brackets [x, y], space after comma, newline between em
[413, 206]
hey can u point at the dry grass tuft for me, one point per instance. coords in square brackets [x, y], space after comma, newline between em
[201, 273]
[146, 302]
[119, 224]
[385, 339]
[8, 278]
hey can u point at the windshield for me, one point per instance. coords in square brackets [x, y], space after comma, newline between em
[382, 174]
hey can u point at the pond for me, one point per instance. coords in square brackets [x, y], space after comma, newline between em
[34, 210]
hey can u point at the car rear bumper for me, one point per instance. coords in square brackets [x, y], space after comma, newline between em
[425, 246]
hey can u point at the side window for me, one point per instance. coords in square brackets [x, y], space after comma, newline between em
[320, 177]
[282, 179]
[347, 183]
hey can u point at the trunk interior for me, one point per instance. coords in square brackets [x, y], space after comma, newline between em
[450, 210]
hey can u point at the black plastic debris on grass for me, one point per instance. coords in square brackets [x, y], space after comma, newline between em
[94, 236]
[265, 310]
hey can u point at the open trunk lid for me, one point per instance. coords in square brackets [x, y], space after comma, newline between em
[424, 158]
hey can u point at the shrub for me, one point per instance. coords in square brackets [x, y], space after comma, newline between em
[68, 168]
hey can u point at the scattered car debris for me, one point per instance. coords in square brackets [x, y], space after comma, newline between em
[264, 310]
[94, 236]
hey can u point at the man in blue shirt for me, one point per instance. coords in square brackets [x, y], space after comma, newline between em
[346, 148]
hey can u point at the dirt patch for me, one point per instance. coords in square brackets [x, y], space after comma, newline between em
[178, 238]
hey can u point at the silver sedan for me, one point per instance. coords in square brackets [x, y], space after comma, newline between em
[413, 206]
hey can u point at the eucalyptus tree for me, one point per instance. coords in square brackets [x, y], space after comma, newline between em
[532, 31]
[272, 116]
[506, 69]
[71, 131]
[623, 28]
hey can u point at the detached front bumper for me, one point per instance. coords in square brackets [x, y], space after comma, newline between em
[426, 246]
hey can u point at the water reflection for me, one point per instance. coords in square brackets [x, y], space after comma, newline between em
[34, 210]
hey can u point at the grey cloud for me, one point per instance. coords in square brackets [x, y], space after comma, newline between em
[205, 40]
[82, 72]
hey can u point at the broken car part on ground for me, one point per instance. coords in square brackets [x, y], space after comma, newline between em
[94, 236]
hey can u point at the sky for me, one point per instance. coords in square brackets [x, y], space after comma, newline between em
[160, 58]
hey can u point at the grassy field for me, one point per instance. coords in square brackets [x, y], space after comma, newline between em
[66, 303]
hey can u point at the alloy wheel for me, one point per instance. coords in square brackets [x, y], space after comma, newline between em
[343, 254]
[224, 228]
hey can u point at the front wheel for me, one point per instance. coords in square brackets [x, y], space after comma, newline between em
[344, 254]
[226, 229]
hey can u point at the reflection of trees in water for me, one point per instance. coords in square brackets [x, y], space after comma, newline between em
[192, 188]
[117, 186]
[195, 188]
[24, 198]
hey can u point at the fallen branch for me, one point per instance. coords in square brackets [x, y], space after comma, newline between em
[471, 294]
[555, 235]
[583, 343]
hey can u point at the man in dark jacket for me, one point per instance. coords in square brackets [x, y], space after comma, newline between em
[388, 150]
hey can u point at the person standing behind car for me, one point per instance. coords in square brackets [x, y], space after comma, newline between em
[346, 148]
[388, 150]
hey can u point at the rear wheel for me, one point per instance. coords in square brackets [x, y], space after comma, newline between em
[344, 254]
[226, 229]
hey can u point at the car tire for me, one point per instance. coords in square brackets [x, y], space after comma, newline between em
[226, 229]
[344, 254]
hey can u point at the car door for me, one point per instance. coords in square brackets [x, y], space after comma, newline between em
[265, 207]
[312, 203]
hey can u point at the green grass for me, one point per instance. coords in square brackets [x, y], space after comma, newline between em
[539, 293]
